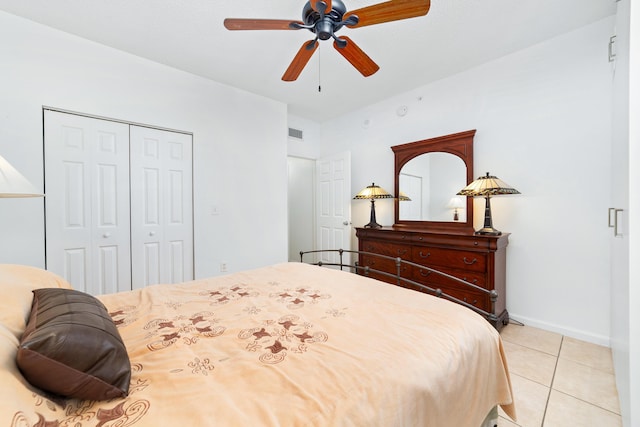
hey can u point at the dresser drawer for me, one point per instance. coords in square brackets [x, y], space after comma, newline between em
[423, 274]
[385, 265]
[476, 299]
[389, 249]
[463, 260]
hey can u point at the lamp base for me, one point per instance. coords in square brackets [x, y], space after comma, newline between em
[372, 218]
[373, 225]
[488, 231]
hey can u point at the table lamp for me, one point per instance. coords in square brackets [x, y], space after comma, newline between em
[373, 192]
[487, 186]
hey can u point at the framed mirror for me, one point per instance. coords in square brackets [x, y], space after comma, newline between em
[428, 174]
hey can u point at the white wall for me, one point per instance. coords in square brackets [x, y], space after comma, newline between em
[308, 147]
[239, 169]
[301, 206]
[543, 120]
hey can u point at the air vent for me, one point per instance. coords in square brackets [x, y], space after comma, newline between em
[295, 133]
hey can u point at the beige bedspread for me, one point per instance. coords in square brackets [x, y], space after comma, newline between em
[287, 345]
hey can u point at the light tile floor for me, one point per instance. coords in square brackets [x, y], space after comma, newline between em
[559, 381]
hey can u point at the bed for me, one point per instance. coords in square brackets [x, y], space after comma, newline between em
[290, 344]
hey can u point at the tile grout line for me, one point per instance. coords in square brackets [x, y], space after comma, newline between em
[586, 402]
[553, 379]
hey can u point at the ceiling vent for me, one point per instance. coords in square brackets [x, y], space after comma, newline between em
[295, 133]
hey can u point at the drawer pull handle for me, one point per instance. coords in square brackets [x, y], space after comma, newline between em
[474, 281]
[466, 261]
[423, 255]
[475, 301]
[402, 251]
[423, 273]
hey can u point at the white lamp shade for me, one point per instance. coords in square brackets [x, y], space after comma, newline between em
[13, 184]
[456, 203]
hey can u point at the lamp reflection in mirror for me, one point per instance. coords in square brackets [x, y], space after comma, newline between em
[455, 203]
[487, 186]
[373, 192]
[14, 184]
[403, 197]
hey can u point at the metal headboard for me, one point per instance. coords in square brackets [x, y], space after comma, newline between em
[403, 281]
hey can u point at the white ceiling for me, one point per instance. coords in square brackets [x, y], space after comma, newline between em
[188, 34]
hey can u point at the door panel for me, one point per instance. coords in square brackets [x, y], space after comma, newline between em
[334, 205]
[622, 308]
[161, 206]
[87, 202]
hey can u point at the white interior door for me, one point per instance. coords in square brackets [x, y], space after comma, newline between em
[412, 187]
[333, 190]
[619, 215]
[87, 201]
[161, 206]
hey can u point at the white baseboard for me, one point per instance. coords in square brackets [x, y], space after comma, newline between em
[570, 332]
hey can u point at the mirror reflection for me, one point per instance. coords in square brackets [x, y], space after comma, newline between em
[428, 186]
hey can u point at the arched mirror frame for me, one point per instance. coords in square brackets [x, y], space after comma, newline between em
[458, 144]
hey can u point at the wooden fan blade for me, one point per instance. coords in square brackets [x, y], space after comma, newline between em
[392, 10]
[357, 57]
[315, 7]
[299, 61]
[259, 24]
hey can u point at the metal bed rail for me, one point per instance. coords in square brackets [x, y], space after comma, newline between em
[402, 281]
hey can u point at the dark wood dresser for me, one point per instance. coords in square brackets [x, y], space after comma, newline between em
[477, 259]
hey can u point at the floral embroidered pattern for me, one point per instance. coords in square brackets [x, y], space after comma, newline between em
[201, 366]
[189, 329]
[278, 337]
[225, 295]
[337, 312]
[251, 310]
[125, 315]
[122, 414]
[297, 298]
[82, 413]
[198, 366]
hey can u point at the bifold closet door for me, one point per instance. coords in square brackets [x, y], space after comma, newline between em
[87, 201]
[161, 206]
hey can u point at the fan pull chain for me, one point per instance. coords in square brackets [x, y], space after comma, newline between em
[319, 68]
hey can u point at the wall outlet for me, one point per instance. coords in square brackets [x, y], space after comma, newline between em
[223, 267]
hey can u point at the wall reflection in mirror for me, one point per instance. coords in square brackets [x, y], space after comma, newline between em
[430, 181]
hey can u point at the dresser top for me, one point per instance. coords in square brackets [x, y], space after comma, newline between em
[425, 237]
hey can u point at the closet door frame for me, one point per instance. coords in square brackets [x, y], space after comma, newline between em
[81, 276]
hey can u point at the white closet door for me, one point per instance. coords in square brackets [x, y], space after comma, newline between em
[333, 192]
[161, 207]
[87, 202]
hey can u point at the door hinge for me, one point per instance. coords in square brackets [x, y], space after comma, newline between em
[613, 221]
[612, 53]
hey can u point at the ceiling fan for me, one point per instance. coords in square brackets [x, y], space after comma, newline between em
[325, 18]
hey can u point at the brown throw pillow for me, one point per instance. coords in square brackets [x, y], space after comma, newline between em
[72, 348]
